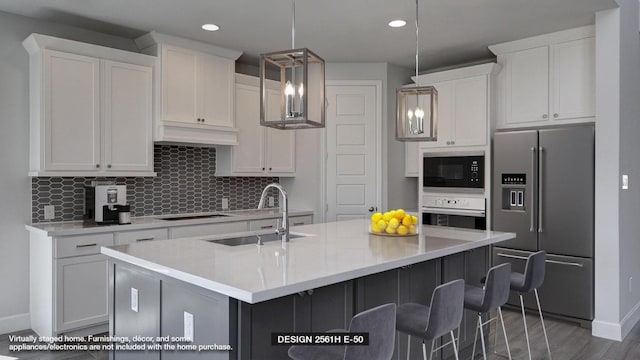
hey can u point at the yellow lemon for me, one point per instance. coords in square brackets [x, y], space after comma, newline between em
[406, 220]
[376, 217]
[382, 225]
[394, 223]
[376, 229]
[387, 216]
[402, 230]
[392, 213]
[400, 214]
[390, 230]
[412, 229]
[414, 219]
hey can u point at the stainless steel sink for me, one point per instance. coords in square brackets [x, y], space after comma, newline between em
[253, 239]
[192, 217]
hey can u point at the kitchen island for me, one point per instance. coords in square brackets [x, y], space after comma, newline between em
[238, 295]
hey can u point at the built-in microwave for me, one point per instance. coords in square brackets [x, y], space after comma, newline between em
[457, 172]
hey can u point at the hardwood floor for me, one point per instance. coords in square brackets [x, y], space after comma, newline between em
[567, 340]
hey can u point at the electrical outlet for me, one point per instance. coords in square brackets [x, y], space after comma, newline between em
[188, 326]
[134, 299]
[49, 212]
[225, 203]
[271, 201]
[625, 182]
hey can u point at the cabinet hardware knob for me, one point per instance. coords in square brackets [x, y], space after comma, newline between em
[448, 142]
[109, 166]
[544, 116]
[301, 293]
[555, 115]
[310, 292]
[263, 169]
[270, 169]
[98, 166]
[453, 142]
[203, 119]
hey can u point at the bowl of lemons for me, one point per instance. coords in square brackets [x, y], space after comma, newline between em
[393, 223]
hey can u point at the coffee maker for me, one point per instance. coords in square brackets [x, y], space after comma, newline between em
[104, 203]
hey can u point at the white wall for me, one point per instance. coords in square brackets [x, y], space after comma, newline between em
[15, 186]
[617, 240]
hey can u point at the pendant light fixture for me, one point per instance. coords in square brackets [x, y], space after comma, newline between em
[302, 103]
[417, 108]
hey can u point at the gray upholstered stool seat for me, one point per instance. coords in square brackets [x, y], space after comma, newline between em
[379, 322]
[431, 322]
[529, 281]
[492, 296]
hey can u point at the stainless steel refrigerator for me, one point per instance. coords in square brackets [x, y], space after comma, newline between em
[543, 190]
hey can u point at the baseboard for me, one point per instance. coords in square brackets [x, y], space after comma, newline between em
[14, 323]
[606, 330]
[630, 320]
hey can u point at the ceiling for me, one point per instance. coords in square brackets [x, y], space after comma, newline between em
[452, 32]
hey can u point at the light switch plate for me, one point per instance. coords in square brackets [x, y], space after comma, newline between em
[134, 299]
[225, 203]
[271, 201]
[49, 212]
[188, 326]
[625, 182]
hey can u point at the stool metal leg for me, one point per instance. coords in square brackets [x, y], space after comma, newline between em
[475, 338]
[524, 319]
[453, 342]
[484, 350]
[504, 331]
[424, 350]
[408, 346]
[544, 330]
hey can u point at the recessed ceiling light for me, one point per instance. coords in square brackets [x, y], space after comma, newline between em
[210, 27]
[397, 23]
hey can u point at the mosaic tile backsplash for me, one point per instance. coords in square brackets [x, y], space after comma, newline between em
[185, 184]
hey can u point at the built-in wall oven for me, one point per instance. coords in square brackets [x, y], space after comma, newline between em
[455, 211]
[453, 172]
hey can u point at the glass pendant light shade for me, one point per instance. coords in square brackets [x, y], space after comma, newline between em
[417, 114]
[302, 87]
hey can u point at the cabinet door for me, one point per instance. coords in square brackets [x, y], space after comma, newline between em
[526, 96]
[179, 80]
[248, 154]
[81, 292]
[127, 109]
[136, 309]
[281, 144]
[71, 111]
[573, 87]
[470, 111]
[215, 84]
[331, 307]
[445, 116]
[411, 157]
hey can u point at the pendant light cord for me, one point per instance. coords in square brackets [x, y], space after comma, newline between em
[417, 44]
[293, 24]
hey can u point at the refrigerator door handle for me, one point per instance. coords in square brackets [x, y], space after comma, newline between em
[565, 263]
[532, 228]
[540, 188]
[512, 256]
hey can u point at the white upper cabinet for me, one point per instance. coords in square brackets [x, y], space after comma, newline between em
[261, 151]
[194, 90]
[90, 109]
[547, 79]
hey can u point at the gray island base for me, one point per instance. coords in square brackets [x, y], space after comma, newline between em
[236, 296]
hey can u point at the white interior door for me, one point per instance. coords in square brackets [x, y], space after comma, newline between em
[353, 154]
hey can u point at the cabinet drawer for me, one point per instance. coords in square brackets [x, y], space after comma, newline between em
[208, 229]
[68, 246]
[301, 220]
[129, 237]
[263, 224]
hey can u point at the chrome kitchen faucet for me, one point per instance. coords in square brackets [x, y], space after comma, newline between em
[284, 228]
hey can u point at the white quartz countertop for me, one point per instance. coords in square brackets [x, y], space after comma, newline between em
[66, 228]
[335, 252]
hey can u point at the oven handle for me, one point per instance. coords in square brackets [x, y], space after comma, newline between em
[463, 212]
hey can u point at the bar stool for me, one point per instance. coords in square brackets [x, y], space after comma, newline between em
[379, 322]
[431, 322]
[531, 280]
[492, 296]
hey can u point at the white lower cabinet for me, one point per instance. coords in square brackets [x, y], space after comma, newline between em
[81, 292]
[130, 237]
